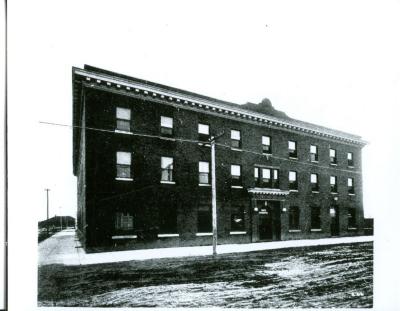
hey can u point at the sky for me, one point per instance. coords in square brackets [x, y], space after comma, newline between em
[332, 63]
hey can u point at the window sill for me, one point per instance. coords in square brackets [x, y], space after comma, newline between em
[204, 185]
[316, 230]
[204, 144]
[350, 166]
[123, 179]
[267, 154]
[334, 193]
[293, 158]
[333, 164]
[168, 235]
[294, 230]
[121, 237]
[167, 138]
[204, 234]
[293, 190]
[352, 229]
[123, 132]
[237, 187]
[314, 191]
[312, 161]
[352, 194]
[237, 232]
[236, 149]
[167, 182]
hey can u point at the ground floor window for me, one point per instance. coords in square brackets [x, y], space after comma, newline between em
[204, 218]
[351, 217]
[237, 218]
[167, 219]
[315, 217]
[123, 221]
[294, 216]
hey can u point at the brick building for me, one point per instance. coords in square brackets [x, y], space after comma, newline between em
[142, 161]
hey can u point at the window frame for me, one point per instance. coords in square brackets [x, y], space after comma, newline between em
[238, 210]
[120, 120]
[294, 218]
[120, 167]
[166, 130]
[350, 162]
[350, 188]
[266, 148]
[236, 143]
[333, 186]
[332, 159]
[315, 223]
[169, 171]
[236, 180]
[314, 185]
[314, 155]
[293, 154]
[203, 173]
[293, 184]
[203, 136]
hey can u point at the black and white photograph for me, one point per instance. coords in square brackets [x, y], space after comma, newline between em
[202, 154]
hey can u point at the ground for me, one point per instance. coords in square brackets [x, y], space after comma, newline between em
[319, 276]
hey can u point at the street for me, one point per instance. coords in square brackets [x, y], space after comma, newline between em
[332, 276]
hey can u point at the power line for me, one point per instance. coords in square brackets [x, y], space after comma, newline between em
[204, 143]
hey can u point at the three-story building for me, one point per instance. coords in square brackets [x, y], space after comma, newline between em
[141, 155]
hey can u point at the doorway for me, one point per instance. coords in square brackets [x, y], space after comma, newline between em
[334, 212]
[269, 220]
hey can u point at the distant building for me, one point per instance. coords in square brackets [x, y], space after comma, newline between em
[141, 157]
[57, 222]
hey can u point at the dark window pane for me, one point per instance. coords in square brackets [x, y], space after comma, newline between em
[204, 178]
[294, 218]
[166, 130]
[167, 175]
[123, 125]
[315, 217]
[204, 218]
[123, 222]
[237, 218]
[123, 171]
[235, 143]
[352, 217]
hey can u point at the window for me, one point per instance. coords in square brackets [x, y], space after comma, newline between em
[350, 185]
[204, 132]
[293, 180]
[123, 116]
[333, 183]
[332, 156]
[204, 218]
[314, 182]
[235, 139]
[351, 218]
[167, 125]
[124, 164]
[266, 144]
[167, 216]
[294, 216]
[350, 161]
[167, 169]
[315, 217]
[292, 149]
[204, 172]
[237, 218]
[123, 222]
[269, 177]
[313, 153]
[236, 175]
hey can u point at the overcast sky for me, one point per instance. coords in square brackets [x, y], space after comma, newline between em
[333, 63]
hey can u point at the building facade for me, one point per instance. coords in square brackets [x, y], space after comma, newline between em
[142, 159]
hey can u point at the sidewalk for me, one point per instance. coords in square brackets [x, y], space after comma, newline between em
[65, 248]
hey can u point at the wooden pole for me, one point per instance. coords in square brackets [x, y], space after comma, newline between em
[213, 197]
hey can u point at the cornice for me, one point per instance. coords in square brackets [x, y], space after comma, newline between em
[103, 80]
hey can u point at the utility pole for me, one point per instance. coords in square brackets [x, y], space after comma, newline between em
[60, 220]
[47, 222]
[214, 193]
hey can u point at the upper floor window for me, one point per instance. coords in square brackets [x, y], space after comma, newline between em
[314, 182]
[350, 185]
[350, 161]
[123, 116]
[266, 144]
[204, 131]
[167, 125]
[315, 217]
[236, 175]
[204, 218]
[293, 185]
[292, 149]
[269, 177]
[333, 183]
[235, 139]
[204, 172]
[313, 153]
[294, 217]
[167, 169]
[124, 160]
[332, 156]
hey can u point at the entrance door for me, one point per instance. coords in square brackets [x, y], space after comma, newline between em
[334, 212]
[265, 224]
[269, 220]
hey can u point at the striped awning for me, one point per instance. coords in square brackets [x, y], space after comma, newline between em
[268, 191]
